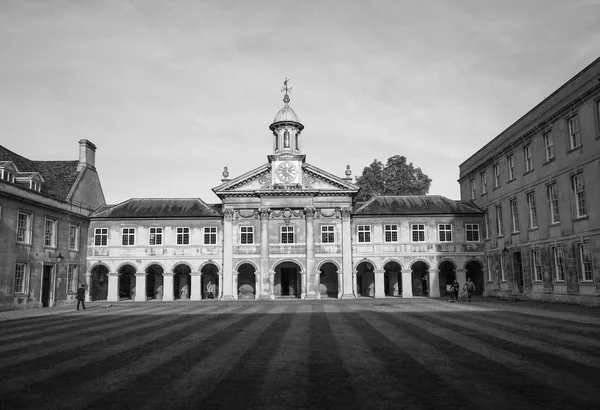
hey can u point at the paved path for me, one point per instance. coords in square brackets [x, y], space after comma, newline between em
[388, 353]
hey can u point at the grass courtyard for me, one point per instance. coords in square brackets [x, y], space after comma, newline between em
[302, 354]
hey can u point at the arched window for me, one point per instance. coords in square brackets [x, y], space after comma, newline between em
[297, 146]
[286, 139]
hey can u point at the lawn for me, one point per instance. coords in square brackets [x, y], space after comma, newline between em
[319, 354]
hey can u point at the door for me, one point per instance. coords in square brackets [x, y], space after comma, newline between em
[47, 286]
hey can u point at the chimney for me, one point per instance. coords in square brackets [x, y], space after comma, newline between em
[87, 155]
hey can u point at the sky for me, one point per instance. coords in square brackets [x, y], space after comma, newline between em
[170, 92]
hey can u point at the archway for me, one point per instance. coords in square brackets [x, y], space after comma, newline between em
[288, 280]
[246, 285]
[420, 278]
[209, 281]
[154, 282]
[328, 280]
[127, 282]
[182, 280]
[392, 277]
[365, 280]
[99, 283]
[447, 274]
[475, 272]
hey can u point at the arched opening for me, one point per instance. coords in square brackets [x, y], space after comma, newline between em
[182, 280]
[127, 282]
[392, 279]
[287, 281]
[365, 280]
[447, 274]
[246, 286]
[154, 282]
[209, 281]
[328, 281]
[420, 279]
[99, 283]
[475, 272]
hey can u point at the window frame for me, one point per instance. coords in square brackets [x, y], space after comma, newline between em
[499, 221]
[532, 208]
[156, 236]
[74, 240]
[285, 233]
[486, 221]
[496, 175]
[420, 231]
[26, 230]
[72, 279]
[327, 233]
[514, 216]
[469, 228]
[130, 235]
[50, 236]
[553, 203]
[393, 231]
[182, 235]
[536, 265]
[510, 159]
[574, 131]
[24, 280]
[444, 230]
[584, 260]
[363, 233]
[580, 201]
[548, 145]
[483, 183]
[559, 268]
[100, 236]
[246, 234]
[528, 156]
[209, 235]
[502, 267]
[473, 188]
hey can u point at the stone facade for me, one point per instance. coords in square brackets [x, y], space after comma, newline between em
[538, 182]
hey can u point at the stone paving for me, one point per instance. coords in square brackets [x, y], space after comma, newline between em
[390, 353]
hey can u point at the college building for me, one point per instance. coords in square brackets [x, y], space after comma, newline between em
[538, 183]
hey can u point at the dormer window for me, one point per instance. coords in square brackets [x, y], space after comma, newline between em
[8, 171]
[31, 180]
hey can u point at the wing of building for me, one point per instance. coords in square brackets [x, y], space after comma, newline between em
[539, 185]
[285, 229]
[44, 213]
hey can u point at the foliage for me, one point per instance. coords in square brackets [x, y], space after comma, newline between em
[397, 177]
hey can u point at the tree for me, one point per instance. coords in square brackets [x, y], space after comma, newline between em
[397, 177]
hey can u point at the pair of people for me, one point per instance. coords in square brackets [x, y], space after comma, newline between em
[469, 288]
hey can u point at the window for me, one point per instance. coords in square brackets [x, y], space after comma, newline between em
[532, 210]
[210, 235]
[72, 278]
[364, 233]
[496, 175]
[499, 221]
[73, 237]
[585, 256]
[535, 265]
[327, 233]
[511, 167]
[21, 271]
[100, 236]
[514, 215]
[418, 232]
[50, 233]
[246, 235]
[286, 139]
[183, 236]
[553, 198]
[528, 158]
[502, 267]
[579, 189]
[155, 236]
[445, 232]
[390, 233]
[128, 236]
[472, 232]
[287, 234]
[23, 227]
[483, 183]
[549, 146]
[558, 263]
[573, 130]
[489, 268]
[472, 189]
[486, 220]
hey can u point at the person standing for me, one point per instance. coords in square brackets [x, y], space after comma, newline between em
[470, 288]
[81, 296]
[455, 287]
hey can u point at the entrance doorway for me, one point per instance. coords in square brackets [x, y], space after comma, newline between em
[46, 282]
[287, 281]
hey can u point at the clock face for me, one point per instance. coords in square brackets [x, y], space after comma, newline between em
[286, 172]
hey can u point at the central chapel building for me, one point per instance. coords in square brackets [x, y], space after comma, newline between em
[285, 229]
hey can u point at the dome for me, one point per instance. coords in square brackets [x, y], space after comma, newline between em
[286, 114]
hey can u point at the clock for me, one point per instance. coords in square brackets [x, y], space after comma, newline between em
[286, 172]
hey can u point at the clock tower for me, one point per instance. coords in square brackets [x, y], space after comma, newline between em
[286, 160]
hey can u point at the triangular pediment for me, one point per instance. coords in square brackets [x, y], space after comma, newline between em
[259, 182]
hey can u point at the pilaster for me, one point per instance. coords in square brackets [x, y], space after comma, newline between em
[196, 286]
[346, 283]
[88, 287]
[226, 288]
[434, 283]
[113, 287]
[379, 284]
[140, 287]
[308, 288]
[263, 286]
[168, 291]
[407, 283]
[461, 277]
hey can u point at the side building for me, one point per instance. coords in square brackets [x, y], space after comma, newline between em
[539, 185]
[44, 218]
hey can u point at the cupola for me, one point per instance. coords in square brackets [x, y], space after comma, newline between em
[286, 127]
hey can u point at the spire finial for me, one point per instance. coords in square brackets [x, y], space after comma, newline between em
[286, 98]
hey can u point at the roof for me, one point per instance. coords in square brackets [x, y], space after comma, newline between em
[415, 205]
[286, 114]
[157, 208]
[59, 176]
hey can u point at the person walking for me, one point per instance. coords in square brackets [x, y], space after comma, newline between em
[470, 288]
[81, 296]
[455, 287]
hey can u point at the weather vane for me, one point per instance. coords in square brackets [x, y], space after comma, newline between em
[285, 86]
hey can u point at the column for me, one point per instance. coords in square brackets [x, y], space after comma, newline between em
[379, 283]
[303, 280]
[346, 283]
[140, 287]
[407, 283]
[196, 286]
[461, 276]
[168, 291]
[318, 284]
[113, 287]
[256, 285]
[220, 295]
[393, 283]
[234, 276]
[88, 287]
[310, 289]
[434, 283]
[226, 288]
[340, 276]
[272, 285]
[158, 287]
[263, 289]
